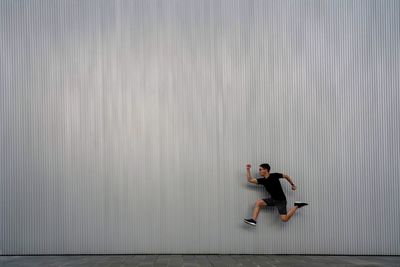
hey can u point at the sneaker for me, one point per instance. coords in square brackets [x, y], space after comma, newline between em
[300, 204]
[250, 221]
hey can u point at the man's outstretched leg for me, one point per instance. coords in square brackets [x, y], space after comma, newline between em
[259, 204]
[297, 205]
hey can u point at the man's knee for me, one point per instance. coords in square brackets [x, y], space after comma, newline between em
[284, 218]
[260, 203]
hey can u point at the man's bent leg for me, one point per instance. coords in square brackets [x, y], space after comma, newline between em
[259, 204]
[286, 217]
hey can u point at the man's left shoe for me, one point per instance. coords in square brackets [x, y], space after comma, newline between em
[250, 221]
[300, 204]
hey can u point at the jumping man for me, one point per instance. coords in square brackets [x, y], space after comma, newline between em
[273, 186]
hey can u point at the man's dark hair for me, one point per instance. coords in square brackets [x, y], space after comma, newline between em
[265, 166]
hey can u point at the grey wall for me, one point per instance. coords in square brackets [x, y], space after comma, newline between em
[126, 125]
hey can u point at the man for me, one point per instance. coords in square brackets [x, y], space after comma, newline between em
[273, 186]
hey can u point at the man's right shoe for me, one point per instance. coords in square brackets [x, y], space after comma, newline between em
[300, 204]
[250, 221]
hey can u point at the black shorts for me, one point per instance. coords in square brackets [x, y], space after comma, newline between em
[280, 204]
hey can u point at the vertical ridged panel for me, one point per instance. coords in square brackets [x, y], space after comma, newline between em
[126, 125]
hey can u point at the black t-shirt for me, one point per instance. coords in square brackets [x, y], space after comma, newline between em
[273, 185]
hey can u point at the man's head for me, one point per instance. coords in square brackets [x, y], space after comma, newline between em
[264, 169]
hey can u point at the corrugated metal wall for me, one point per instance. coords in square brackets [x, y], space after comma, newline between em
[126, 125]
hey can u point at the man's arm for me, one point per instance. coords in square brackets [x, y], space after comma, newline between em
[249, 178]
[290, 181]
